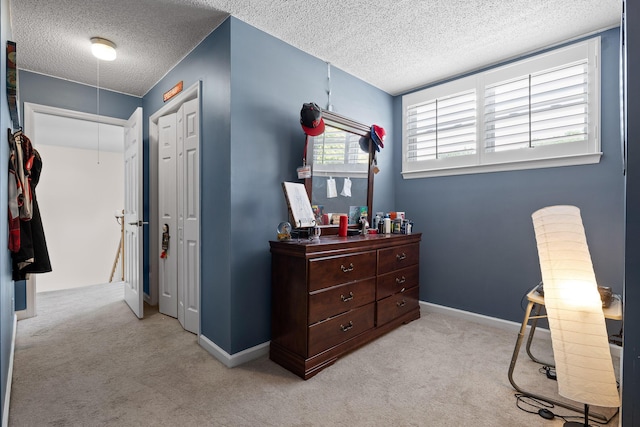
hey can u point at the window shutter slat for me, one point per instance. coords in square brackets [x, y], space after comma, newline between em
[443, 127]
[550, 107]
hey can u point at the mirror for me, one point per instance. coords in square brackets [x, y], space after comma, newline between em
[341, 180]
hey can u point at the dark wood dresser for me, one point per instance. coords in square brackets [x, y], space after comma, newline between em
[333, 295]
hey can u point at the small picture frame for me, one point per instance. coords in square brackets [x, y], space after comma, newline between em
[300, 211]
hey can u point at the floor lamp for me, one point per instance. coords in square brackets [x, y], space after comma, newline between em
[584, 368]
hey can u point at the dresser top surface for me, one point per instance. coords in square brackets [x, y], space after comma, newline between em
[337, 243]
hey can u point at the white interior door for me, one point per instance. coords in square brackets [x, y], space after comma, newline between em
[185, 240]
[189, 216]
[167, 210]
[133, 249]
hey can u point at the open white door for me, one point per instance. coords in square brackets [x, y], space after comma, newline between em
[133, 249]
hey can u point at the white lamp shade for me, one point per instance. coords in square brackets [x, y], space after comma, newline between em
[579, 337]
[103, 49]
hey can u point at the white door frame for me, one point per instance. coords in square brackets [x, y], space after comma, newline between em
[30, 110]
[193, 92]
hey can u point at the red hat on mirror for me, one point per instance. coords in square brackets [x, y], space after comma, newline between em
[311, 119]
[377, 135]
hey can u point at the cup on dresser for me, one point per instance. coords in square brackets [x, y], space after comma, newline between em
[344, 221]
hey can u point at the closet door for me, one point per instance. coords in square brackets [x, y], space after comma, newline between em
[189, 216]
[167, 213]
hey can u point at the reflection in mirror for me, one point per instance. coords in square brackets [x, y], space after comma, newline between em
[341, 183]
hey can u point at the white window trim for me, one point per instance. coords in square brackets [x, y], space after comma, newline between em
[533, 158]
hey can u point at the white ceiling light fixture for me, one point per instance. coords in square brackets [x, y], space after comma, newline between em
[103, 49]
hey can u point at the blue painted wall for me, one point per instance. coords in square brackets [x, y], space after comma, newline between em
[54, 92]
[209, 63]
[253, 88]
[20, 295]
[6, 284]
[631, 359]
[270, 81]
[478, 248]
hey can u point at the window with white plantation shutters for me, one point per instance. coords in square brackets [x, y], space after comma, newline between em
[440, 128]
[542, 111]
[550, 107]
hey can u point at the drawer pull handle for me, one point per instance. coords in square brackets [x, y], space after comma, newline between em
[401, 280]
[402, 290]
[401, 256]
[347, 269]
[402, 303]
[349, 298]
[346, 328]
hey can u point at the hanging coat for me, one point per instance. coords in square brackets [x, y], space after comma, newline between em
[24, 162]
[33, 256]
[15, 191]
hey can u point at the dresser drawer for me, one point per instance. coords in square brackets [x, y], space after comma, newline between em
[395, 281]
[398, 257]
[331, 332]
[396, 305]
[338, 299]
[330, 271]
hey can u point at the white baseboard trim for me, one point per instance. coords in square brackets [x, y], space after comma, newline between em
[236, 359]
[477, 318]
[7, 396]
[495, 322]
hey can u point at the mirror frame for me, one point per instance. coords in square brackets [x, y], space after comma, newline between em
[346, 124]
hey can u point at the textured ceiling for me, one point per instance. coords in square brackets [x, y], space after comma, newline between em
[151, 36]
[394, 45]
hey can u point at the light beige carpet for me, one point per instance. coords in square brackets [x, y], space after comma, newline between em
[85, 360]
